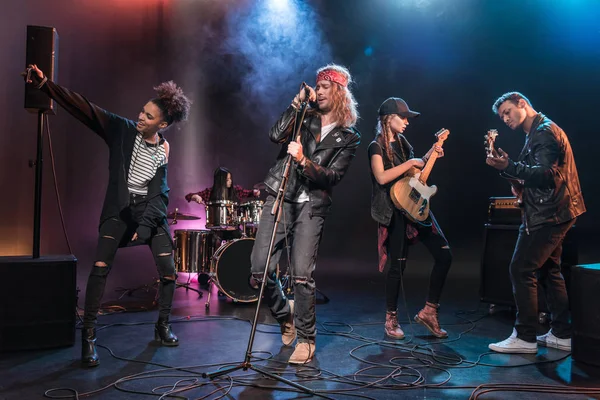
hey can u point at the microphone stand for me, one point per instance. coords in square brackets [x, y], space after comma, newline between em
[276, 211]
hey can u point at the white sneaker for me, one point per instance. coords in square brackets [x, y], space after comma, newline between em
[549, 340]
[514, 345]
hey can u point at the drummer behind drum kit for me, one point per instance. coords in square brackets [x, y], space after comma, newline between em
[226, 262]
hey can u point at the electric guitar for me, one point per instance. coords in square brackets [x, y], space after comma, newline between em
[516, 184]
[411, 194]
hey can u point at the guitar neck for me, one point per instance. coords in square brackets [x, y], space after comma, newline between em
[428, 166]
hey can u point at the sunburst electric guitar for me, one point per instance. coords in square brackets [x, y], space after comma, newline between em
[517, 184]
[411, 194]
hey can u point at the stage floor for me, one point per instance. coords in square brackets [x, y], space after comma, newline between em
[354, 359]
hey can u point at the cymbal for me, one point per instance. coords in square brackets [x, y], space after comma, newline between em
[181, 216]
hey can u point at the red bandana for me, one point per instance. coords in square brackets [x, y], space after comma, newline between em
[332, 75]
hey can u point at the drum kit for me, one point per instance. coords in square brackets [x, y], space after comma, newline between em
[222, 251]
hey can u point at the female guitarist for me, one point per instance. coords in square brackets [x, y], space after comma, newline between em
[391, 158]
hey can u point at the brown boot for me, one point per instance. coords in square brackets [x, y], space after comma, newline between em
[303, 353]
[392, 329]
[288, 330]
[428, 316]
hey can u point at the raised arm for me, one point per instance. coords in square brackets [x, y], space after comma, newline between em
[282, 129]
[96, 118]
[284, 126]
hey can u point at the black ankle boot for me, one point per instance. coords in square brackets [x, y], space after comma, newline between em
[163, 334]
[89, 355]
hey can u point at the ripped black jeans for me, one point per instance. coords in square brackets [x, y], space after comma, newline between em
[115, 233]
[304, 232]
[398, 252]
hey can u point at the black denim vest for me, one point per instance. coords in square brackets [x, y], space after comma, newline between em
[382, 207]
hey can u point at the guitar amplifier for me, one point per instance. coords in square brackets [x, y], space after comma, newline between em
[504, 211]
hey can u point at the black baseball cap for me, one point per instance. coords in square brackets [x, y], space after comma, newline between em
[395, 105]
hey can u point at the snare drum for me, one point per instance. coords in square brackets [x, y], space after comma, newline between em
[194, 250]
[249, 212]
[222, 214]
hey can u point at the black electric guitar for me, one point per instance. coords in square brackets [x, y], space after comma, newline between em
[516, 184]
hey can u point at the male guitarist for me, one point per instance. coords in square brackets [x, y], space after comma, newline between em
[391, 158]
[551, 202]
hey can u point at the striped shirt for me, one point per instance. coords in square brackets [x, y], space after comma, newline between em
[145, 161]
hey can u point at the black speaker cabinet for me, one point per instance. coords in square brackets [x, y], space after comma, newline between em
[42, 50]
[39, 300]
[498, 246]
[585, 303]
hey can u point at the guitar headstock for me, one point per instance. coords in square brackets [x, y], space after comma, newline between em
[442, 135]
[490, 138]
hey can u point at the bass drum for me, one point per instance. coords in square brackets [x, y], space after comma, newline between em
[231, 270]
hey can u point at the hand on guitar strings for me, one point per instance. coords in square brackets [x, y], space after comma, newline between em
[498, 160]
[418, 163]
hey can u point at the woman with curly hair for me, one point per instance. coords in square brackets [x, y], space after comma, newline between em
[135, 204]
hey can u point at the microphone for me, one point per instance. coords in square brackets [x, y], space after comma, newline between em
[306, 91]
[311, 104]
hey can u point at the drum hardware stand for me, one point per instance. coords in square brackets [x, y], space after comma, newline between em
[276, 212]
[175, 216]
[154, 285]
[210, 287]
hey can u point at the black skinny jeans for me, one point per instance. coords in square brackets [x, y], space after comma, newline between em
[536, 260]
[398, 251]
[305, 234]
[115, 233]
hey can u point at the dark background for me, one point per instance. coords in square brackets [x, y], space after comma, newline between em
[242, 61]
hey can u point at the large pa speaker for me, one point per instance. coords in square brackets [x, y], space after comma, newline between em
[585, 303]
[498, 247]
[42, 50]
[39, 300]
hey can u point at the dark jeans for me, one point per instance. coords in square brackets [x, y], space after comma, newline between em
[537, 259]
[115, 233]
[305, 233]
[398, 252]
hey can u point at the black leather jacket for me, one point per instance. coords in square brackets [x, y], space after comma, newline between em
[552, 194]
[326, 162]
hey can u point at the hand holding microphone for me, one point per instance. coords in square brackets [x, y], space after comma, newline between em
[306, 92]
